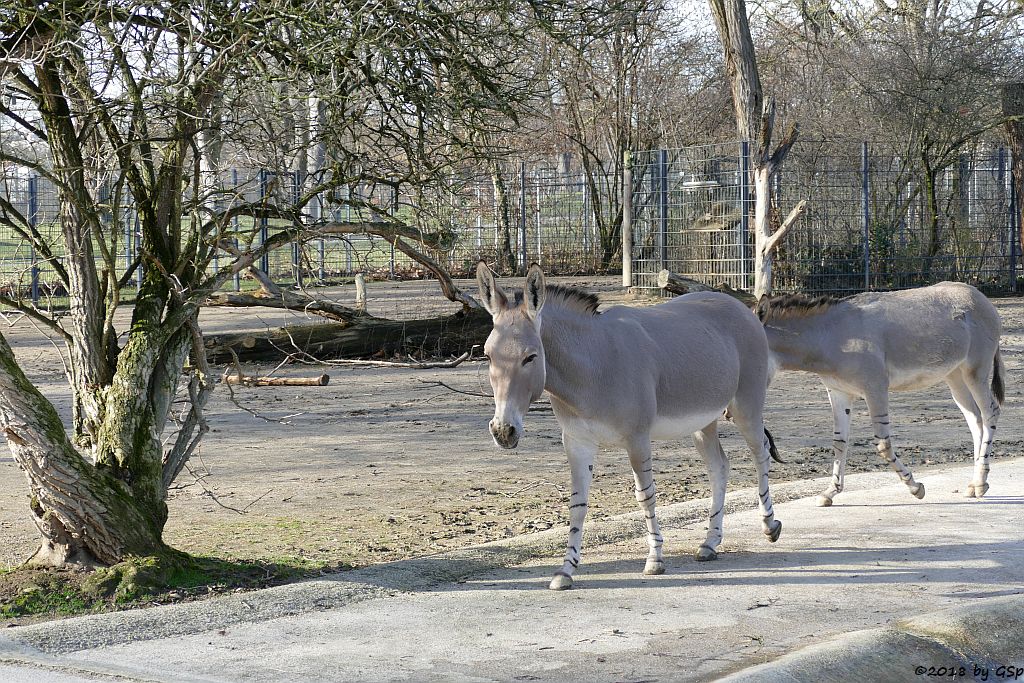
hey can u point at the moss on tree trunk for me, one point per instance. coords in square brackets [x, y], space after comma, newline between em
[84, 513]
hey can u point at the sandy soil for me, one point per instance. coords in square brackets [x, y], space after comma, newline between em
[384, 463]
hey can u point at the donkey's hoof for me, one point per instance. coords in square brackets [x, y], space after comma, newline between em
[976, 490]
[654, 567]
[918, 490]
[774, 533]
[824, 501]
[560, 582]
[705, 554]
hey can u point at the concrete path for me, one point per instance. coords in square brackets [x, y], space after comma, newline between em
[839, 597]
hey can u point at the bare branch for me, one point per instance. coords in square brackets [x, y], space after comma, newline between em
[779, 234]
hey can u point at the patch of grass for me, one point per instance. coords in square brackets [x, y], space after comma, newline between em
[57, 598]
[36, 594]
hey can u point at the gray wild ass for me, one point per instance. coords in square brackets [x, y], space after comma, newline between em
[868, 344]
[623, 377]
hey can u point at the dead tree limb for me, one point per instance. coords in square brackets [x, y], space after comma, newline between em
[677, 284]
[364, 337]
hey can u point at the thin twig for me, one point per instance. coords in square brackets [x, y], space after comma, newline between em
[560, 489]
[438, 383]
[413, 364]
[213, 496]
[231, 391]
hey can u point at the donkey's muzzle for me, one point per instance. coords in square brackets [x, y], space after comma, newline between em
[505, 435]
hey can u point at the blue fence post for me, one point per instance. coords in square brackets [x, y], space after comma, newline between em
[323, 257]
[1015, 227]
[744, 213]
[866, 196]
[297, 242]
[662, 209]
[264, 223]
[522, 217]
[137, 252]
[627, 220]
[234, 224]
[128, 251]
[33, 220]
[536, 214]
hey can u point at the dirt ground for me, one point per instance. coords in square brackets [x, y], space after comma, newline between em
[385, 463]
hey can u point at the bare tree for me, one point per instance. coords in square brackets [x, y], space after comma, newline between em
[755, 121]
[620, 86]
[149, 101]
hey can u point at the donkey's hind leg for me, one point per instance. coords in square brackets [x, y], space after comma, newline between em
[752, 429]
[841, 405]
[967, 405]
[981, 391]
[710, 449]
[878, 406]
[639, 451]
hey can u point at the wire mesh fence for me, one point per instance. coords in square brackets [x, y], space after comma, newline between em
[691, 211]
[509, 220]
[874, 220]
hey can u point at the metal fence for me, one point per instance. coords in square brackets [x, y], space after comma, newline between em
[872, 220]
[870, 223]
[550, 219]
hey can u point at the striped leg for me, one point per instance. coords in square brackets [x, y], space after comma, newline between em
[646, 494]
[878, 406]
[754, 434]
[989, 407]
[841, 405]
[710, 449]
[581, 471]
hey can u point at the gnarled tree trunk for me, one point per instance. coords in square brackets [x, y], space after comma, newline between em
[84, 513]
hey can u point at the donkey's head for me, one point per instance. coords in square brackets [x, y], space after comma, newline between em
[515, 350]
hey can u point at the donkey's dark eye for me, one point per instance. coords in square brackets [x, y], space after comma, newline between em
[529, 359]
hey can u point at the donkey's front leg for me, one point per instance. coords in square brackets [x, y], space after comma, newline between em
[841, 405]
[581, 471]
[639, 451]
[878, 406]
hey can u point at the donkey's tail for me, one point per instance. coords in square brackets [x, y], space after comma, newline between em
[998, 373]
[771, 447]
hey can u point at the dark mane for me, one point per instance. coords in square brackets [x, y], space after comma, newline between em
[793, 306]
[569, 297]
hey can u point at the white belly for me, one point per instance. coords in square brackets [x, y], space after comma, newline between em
[674, 428]
[917, 378]
[663, 428]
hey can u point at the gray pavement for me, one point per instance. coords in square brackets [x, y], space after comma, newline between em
[880, 586]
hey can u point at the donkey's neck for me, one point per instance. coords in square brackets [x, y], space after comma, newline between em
[802, 343]
[572, 349]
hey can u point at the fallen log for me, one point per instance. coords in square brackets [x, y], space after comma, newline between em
[247, 381]
[364, 337]
[677, 284]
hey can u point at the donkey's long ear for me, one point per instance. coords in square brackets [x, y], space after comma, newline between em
[535, 291]
[491, 295]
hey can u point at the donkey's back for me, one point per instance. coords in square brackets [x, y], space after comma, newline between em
[702, 344]
[920, 335]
